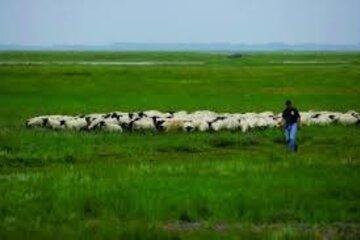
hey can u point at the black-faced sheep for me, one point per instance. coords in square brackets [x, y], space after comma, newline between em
[204, 120]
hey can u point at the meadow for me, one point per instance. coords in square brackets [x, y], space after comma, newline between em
[227, 185]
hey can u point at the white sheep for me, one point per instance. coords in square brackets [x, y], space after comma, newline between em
[76, 123]
[145, 123]
[189, 126]
[55, 123]
[111, 127]
[348, 119]
[39, 121]
[200, 125]
[197, 121]
[105, 125]
[180, 114]
[170, 125]
[155, 113]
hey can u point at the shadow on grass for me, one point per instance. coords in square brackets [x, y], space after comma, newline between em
[77, 73]
[18, 161]
[233, 142]
[179, 149]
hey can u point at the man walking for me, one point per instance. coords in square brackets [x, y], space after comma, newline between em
[291, 121]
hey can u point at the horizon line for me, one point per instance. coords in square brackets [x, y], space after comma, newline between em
[183, 43]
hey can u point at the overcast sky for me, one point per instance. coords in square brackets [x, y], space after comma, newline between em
[48, 22]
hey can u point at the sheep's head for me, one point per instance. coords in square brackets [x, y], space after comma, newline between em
[188, 127]
[158, 123]
[115, 115]
[45, 122]
[315, 115]
[142, 114]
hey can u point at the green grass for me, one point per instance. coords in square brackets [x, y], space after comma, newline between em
[179, 186]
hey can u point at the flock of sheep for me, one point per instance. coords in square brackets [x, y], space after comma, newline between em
[202, 121]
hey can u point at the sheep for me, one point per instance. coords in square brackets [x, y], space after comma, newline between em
[216, 124]
[124, 120]
[113, 115]
[203, 115]
[180, 114]
[332, 117]
[348, 119]
[189, 126]
[244, 126]
[145, 123]
[111, 127]
[170, 125]
[200, 125]
[77, 124]
[55, 123]
[95, 123]
[89, 118]
[319, 118]
[225, 123]
[155, 113]
[266, 114]
[260, 122]
[232, 123]
[202, 121]
[305, 118]
[52, 122]
[37, 121]
[355, 114]
[251, 121]
[105, 125]
[277, 121]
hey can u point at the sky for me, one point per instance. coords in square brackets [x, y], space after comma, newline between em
[98, 22]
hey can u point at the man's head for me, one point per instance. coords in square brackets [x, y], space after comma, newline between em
[288, 104]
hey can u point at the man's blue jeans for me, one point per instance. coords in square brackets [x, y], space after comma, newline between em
[290, 136]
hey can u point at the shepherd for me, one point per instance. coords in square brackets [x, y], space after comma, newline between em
[291, 123]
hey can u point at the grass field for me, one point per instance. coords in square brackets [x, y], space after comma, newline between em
[178, 186]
